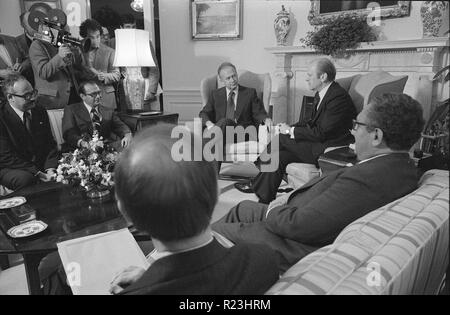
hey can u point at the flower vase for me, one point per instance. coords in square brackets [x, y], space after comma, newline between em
[98, 193]
[282, 26]
[432, 13]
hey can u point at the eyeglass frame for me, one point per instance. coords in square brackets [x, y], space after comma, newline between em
[27, 96]
[356, 123]
[94, 94]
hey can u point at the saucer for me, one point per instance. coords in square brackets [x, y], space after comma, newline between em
[12, 202]
[27, 229]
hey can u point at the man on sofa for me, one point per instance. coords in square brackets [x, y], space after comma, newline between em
[312, 216]
[304, 142]
[83, 118]
[28, 152]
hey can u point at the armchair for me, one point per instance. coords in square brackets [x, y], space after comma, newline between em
[361, 89]
[244, 153]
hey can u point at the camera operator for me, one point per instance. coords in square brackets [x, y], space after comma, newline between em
[56, 73]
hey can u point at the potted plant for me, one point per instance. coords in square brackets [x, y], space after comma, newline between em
[340, 34]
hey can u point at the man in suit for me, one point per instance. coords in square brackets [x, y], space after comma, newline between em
[28, 152]
[304, 142]
[98, 63]
[56, 73]
[233, 104]
[81, 119]
[12, 59]
[172, 201]
[312, 216]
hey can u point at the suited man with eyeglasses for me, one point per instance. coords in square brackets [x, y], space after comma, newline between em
[28, 151]
[81, 119]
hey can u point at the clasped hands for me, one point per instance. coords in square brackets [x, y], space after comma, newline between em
[47, 176]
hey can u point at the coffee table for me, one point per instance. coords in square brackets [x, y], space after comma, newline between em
[69, 214]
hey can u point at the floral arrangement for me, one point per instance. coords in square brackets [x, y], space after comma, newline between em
[90, 166]
[341, 33]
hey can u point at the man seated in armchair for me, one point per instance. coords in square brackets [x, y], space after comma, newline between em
[28, 152]
[82, 119]
[233, 105]
[312, 216]
[304, 142]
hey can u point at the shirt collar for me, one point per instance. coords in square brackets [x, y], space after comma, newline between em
[19, 112]
[235, 91]
[89, 108]
[324, 91]
[155, 255]
[380, 155]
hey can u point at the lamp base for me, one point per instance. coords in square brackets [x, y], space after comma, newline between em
[134, 88]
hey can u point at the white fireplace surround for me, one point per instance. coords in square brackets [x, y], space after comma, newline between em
[419, 59]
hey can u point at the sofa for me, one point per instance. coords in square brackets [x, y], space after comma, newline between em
[401, 248]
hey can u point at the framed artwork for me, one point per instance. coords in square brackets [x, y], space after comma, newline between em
[216, 19]
[25, 5]
[324, 10]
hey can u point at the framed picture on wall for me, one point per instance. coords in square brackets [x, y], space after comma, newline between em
[216, 19]
[25, 5]
[323, 11]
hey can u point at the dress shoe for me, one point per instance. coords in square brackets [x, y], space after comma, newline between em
[285, 190]
[245, 187]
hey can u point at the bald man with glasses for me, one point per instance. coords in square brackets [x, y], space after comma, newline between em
[28, 152]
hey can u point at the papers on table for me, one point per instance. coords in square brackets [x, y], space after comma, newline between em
[92, 262]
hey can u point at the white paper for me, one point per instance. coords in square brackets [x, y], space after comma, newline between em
[92, 262]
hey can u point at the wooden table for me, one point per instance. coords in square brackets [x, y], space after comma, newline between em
[136, 122]
[69, 214]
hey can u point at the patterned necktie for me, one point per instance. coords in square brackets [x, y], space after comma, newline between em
[27, 121]
[316, 102]
[230, 106]
[95, 119]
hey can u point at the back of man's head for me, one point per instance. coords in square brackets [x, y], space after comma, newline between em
[169, 200]
[400, 117]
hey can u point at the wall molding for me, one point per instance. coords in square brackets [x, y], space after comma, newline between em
[187, 103]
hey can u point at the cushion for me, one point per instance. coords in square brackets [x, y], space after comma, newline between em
[401, 248]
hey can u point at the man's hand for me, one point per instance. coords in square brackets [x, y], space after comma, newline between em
[125, 278]
[126, 140]
[285, 129]
[149, 96]
[101, 77]
[83, 144]
[65, 53]
[43, 177]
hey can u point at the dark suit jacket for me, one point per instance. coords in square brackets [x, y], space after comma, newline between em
[20, 151]
[211, 269]
[77, 121]
[249, 108]
[317, 212]
[331, 124]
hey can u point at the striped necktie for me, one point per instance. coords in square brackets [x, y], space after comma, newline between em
[95, 119]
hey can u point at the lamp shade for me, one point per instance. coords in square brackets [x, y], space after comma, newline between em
[133, 49]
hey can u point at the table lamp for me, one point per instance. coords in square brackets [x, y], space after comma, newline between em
[132, 53]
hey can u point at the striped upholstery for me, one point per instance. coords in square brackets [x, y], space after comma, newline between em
[401, 248]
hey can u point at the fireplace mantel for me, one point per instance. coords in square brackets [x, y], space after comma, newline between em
[420, 59]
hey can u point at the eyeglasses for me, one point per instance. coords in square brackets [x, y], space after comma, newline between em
[356, 123]
[94, 94]
[27, 96]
